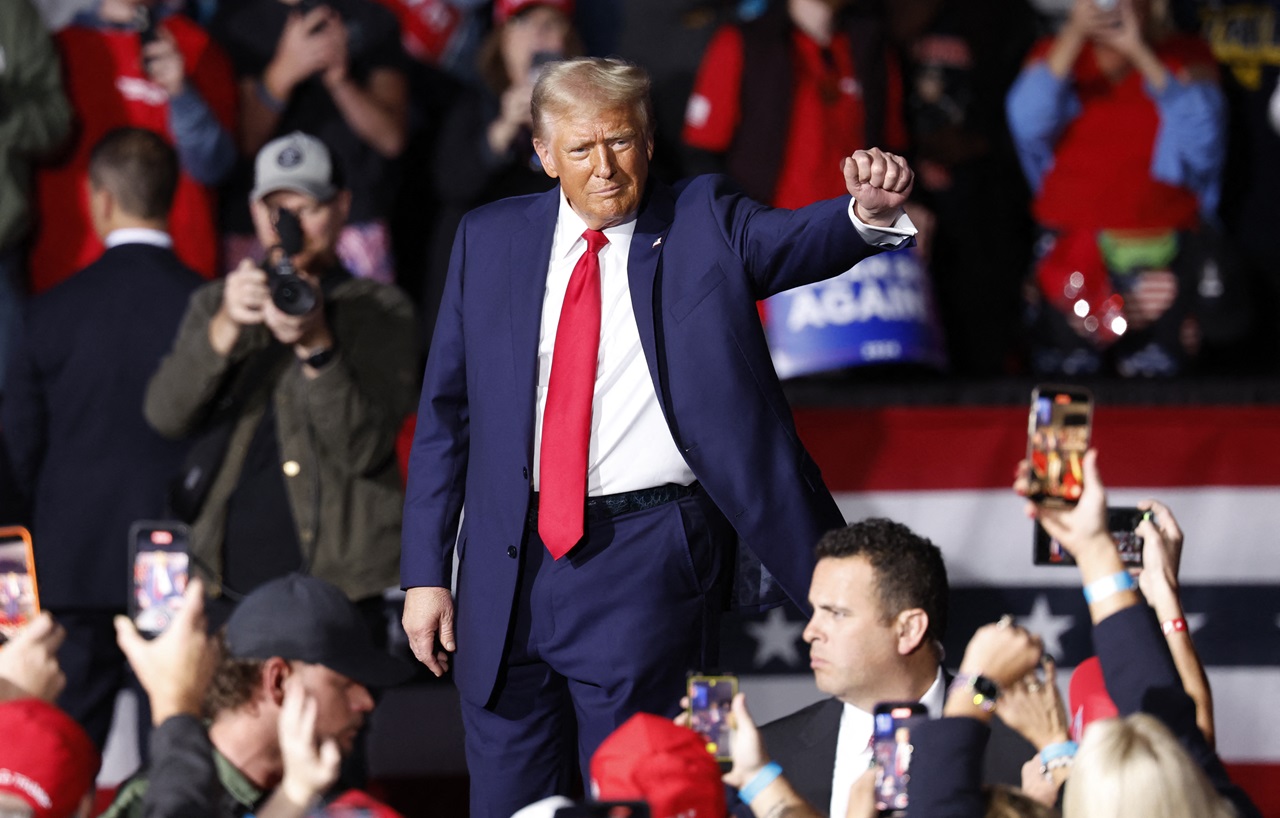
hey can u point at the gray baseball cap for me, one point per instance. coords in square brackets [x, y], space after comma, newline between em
[306, 619]
[298, 162]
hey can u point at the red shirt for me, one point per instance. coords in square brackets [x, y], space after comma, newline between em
[1101, 174]
[107, 88]
[826, 117]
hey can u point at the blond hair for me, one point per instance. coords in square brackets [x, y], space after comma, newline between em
[1135, 768]
[595, 83]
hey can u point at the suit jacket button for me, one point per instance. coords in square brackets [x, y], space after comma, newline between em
[525, 472]
[511, 551]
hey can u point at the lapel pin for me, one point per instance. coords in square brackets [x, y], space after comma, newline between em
[656, 241]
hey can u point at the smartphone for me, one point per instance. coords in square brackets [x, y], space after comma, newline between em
[891, 750]
[159, 567]
[19, 594]
[539, 61]
[147, 22]
[710, 703]
[1121, 522]
[605, 809]
[1058, 429]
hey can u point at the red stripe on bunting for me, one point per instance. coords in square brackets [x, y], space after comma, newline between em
[914, 448]
[1262, 782]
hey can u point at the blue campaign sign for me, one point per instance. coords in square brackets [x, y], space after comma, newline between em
[880, 311]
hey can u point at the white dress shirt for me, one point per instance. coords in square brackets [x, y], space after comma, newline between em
[853, 747]
[138, 235]
[631, 446]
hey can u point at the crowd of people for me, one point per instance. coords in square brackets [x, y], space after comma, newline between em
[1146, 264]
[219, 216]
[257, 718]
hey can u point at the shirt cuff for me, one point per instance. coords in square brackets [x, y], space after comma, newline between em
[898, 234]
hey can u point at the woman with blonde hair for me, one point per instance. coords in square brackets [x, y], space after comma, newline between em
[1134, 767]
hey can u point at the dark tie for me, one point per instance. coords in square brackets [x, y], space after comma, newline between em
[566, 422]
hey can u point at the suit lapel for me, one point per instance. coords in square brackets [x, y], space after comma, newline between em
[643, 263]
[527, 259]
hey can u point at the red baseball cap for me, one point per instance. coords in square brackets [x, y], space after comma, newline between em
[46, 759]
[651, 759]
[504, 10]
[1089, 700]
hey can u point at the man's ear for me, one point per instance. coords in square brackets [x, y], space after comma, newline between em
[546, 157]
[274, 673]
[912, 625]
[101, 205]
[342, 205]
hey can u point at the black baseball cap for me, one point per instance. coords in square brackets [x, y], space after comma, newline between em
[305, 619]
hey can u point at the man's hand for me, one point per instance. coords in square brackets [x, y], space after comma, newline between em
[862, 797]
[880, 183]
[300, 51]
[164, 64]
[244, 296]
[176, 667]
[428, 615]
[1033, 706]
[1003, 652]
[29, 661]
[310, 766]
[746, 747]
[334, 49]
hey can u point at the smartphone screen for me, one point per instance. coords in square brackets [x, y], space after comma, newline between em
[891, 748]
[19, 595]
[710, 703]
[1121, 522]
[1057, 438]
[159, 572]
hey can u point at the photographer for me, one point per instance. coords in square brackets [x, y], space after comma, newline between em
[296, 410]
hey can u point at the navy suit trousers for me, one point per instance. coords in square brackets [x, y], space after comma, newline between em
[609, 630]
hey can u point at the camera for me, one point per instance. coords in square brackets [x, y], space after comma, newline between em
[289, 292]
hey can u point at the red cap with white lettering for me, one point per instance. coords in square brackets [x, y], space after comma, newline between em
[46, 759]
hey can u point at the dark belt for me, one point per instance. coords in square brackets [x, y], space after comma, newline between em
[606, 506]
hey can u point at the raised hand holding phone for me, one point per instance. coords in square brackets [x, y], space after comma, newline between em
[175, 669]
[159, 566]
[710, 702]
[19, 592]
[29, 661]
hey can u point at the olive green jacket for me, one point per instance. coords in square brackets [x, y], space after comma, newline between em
[34, 113]
[337, 432]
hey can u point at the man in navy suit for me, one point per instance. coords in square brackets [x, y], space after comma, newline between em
[600, 396]
[86, 463]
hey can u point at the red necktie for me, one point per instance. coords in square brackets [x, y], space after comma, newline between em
[566, 422]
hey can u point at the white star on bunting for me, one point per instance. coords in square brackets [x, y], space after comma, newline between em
[776, 637]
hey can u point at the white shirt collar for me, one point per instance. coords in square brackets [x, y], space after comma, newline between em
[570, 227]
[934, 699]
[138, 235]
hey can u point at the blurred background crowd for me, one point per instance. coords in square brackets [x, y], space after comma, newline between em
[1095, 194]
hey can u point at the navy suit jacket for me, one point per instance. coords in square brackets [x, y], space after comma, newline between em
[804, 743]
[85, 460]
[700, 258]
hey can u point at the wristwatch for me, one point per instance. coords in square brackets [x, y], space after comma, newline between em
[321, 357]
[983, 690]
